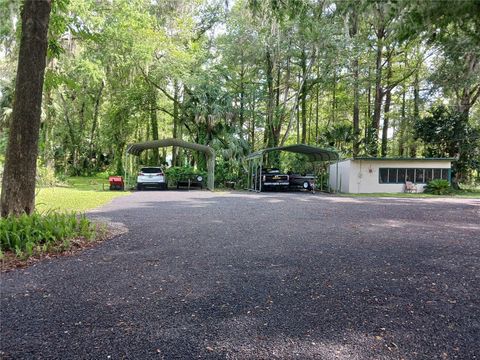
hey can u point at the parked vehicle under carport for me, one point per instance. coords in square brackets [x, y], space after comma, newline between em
[273, 179]
[255, 167]
[151, 177]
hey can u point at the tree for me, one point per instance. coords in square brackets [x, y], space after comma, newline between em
[18, 185]
[446, 133]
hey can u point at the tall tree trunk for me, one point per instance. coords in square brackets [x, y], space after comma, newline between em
[377, 106]
[334, 96]
[175, 123]
[353, 30]
[386, 113]
[401, 135]
[95, 120]
[252, 125]
[18, 185]
[277, 116]
[368, 115]
[270, 129]
[47, 129]
[317, 108]
[303, 96]
[356, 109]
[416, 112]
[309, 136]
[154, 123]
[71, 132]
[242, 96]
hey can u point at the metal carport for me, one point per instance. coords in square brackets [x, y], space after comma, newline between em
[137, 148]
[255, 160]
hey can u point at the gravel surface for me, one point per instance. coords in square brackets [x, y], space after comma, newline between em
[257, 276]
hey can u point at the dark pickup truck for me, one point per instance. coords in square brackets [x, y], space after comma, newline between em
[274, 179]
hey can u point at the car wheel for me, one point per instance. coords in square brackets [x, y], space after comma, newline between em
[139, 187]
[306, 185]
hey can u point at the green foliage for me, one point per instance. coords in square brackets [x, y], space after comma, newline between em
[46, 177]
[448, 133]
[30, 234]
[177, 173]
[438, 187]
[249, 74]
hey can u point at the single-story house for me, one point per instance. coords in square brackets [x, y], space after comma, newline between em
[386, 175]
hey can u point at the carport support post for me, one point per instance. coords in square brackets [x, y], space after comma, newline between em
[211, 172]
[256, 175]
[336, 177]
[260, 175]
[250, 174]
[254, 172]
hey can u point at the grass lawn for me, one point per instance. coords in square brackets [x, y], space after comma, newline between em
[78, 194]
[456, 194]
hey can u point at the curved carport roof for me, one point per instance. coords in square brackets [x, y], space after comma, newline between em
[313, 152]
[138, 148]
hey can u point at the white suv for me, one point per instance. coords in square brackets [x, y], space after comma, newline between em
[151, 177]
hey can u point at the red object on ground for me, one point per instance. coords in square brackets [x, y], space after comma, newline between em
[116, 183]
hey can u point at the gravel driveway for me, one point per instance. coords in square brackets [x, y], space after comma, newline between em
[257, 276]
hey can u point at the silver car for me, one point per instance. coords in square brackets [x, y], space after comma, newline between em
[151, 177]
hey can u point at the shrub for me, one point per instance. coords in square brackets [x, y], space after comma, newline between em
[28, 234]
[177, 173]
[438, 187]
[46, 177]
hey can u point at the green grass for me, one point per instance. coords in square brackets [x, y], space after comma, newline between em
[456, 194]
[78, 194]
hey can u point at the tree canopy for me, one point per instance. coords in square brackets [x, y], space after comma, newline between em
[368, 77]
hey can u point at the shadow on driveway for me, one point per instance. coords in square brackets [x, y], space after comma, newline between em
[256, 276]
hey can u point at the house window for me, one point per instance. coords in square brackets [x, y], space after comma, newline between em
[410, 175]
[383, 176]
[402, 173]
[419, 175]
[392, 176]
[445, 174]
[428, 175]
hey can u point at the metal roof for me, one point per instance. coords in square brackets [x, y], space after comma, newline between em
[313, 152]
[138, 148]
[402, 158]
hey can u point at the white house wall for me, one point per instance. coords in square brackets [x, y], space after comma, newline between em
[364, 174]
[343, 183]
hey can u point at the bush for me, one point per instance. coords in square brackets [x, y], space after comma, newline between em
[438, 187]
[29, 234]
[46, 177]
[176, 173]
